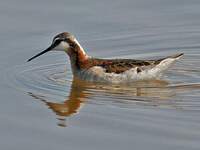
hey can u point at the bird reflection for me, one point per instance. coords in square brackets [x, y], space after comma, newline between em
[66, 108]
[152, 93]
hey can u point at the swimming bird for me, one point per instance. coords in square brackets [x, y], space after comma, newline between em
[88, 68]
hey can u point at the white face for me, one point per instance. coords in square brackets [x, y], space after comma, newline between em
[63, 46]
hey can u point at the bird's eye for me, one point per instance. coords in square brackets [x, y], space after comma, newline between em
[69, 42]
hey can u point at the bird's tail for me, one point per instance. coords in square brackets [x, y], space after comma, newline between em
[165, 63]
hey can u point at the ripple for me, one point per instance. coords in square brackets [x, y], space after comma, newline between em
[41, 79]
[180, 85]
[54, 82]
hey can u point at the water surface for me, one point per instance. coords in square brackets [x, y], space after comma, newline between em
[44, 107]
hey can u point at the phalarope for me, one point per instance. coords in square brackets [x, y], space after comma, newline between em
[107, 70]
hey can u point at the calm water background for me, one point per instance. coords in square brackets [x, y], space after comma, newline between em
[42, 107]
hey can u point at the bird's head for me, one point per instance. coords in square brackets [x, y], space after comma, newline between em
[63, 42]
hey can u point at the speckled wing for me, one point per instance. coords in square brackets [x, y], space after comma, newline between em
[121, 65]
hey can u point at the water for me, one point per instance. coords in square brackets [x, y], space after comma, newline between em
[43, 107]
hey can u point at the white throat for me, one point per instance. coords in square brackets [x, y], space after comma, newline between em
[63, 46]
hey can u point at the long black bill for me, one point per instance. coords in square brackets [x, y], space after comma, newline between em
[46, 50]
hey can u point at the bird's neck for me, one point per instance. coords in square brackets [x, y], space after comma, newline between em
[77, 56]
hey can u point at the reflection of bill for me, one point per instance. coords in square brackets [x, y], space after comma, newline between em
[151, 93]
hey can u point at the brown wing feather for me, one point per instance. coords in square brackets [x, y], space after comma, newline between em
[122, 65]
[118, 65]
